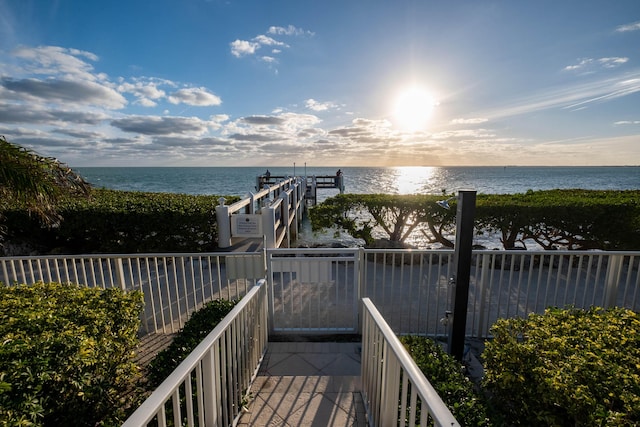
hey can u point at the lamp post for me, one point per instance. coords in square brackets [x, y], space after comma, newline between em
[465, 214]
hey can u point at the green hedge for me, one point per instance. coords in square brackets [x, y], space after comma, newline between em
[199, 325]
[122, 222]
[553, 219]
[446, 375]
[67, 353]
[566, 367]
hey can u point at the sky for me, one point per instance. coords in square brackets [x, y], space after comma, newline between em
[326, 83]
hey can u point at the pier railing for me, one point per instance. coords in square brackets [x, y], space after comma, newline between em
[273, 213]
[209, 386]
[412, 289]
[394, 389]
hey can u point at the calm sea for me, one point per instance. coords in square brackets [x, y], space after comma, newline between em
[393, 180]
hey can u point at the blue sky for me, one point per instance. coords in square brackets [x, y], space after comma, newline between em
[255, 82]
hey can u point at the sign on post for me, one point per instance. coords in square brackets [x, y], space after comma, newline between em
[246, 225]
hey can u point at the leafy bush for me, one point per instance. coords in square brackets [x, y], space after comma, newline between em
[67, 353]
[446, 375]
[571, 219]
[566, 367]
[122, 222]
[199, 325]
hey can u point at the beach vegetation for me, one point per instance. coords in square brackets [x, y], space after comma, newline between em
[565, 367]
[113, 221]
[199, 325]
[551, 219]
[390, 216]
[446, 375]
[35, 183]
[67, 354]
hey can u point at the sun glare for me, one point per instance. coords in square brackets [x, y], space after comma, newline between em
[413, 107]
[413, 179]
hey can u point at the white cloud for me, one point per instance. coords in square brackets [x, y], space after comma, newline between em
[146, 102]
[146, 92]
[269, 59]
[289, 30]
[612, 62]
[63, 91]
[268, 41]
[314, 105]
[627, 122]
[472, 121]
[57, 61]
[240, 48]
[194, 96]
[591, 64]
[628, 27]
[155, 125]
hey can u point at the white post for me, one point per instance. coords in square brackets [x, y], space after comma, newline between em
[224, 224]
[285, 216]
[120, 274]
[269, 226]
[294, 204]
[252, 205]
[614, 269]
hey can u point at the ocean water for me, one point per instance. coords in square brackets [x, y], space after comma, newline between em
[392, 180]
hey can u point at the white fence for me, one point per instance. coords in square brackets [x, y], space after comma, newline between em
[209, 386]
[313, 290]
[174, 285]
[412, 289]
[394, 390]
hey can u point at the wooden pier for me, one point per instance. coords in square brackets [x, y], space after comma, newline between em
[273, 214]
[313, 184]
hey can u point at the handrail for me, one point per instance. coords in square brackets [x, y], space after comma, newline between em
[384, 362]
[203, 361]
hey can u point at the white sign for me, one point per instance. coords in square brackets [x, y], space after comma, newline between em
[246, 225]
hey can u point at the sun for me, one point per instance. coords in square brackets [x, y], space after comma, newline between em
[413, 108]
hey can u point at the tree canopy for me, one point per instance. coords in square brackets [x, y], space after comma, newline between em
[552, 219]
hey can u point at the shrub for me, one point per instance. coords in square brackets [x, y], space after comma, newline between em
[67, 353]
[122, 222]
[446, 375]
[199, 325]
[566, 367]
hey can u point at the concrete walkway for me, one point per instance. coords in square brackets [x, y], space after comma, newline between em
[307, 384]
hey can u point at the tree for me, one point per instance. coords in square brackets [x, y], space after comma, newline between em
[35, 182]
[393, 216]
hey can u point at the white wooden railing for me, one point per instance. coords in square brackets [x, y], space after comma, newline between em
[174, 285]
[394, 390]
[412, 289]
[209, 386]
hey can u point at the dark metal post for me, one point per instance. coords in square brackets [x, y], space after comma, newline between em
[465, 214]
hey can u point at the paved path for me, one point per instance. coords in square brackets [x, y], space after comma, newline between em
[307, 384]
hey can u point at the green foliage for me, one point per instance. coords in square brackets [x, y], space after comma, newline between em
[446, 375]
[199, 325]
[571, 219]
[35, 182]
[67, 353]
[124, 222]
[396, 216]
[566, 367]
